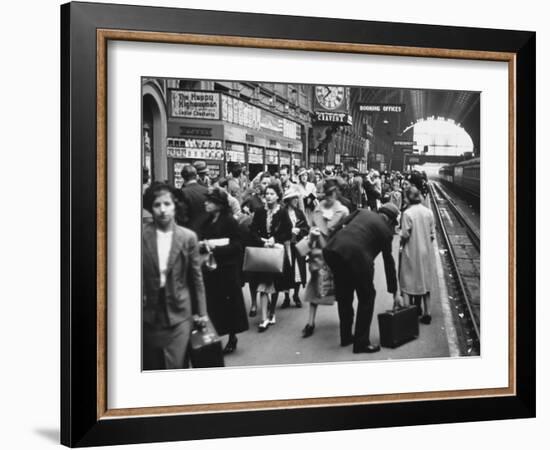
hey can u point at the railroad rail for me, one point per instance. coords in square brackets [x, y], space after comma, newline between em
[462, 242]
[472, 232]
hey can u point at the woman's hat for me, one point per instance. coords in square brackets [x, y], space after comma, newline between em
[327, 172]
[218, 196]
[329, 186]
[301, 171]
[291, 192]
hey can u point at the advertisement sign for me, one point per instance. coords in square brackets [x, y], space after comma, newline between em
[178, 128]
[271, 122]
[195, 104]
[242, 113]
[194, 153]
[272, 157]
[255, 155]
[234, 153]
[404, 143]
[194, 143]
[194, 148]
[297, 147]
[291, 129]
[285, 159]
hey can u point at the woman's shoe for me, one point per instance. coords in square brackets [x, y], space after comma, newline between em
[263, 326]
[369, 348]
[231, 345]
[253, 312]
[272, 320]
[297, 301]
[426, 319]
[308, 330]
[345, 341]
[286, 302]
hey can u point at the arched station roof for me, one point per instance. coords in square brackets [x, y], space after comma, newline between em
[460, 106]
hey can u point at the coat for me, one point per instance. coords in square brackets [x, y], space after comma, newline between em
[191, 212]
[252, 201]
[281, 231]
[224, 297]
[317, 266]
[365, 234]
[184, 288]
[417, 257]
[327, 226]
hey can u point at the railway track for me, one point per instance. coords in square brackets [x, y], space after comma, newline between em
[461, 254]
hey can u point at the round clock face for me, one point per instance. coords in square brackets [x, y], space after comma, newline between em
[330, 97]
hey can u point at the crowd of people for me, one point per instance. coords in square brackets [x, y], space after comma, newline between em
[330, 225]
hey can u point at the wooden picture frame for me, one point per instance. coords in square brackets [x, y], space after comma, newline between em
[85, 30]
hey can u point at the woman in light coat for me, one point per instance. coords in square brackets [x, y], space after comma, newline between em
[417, 252]
[326, 218]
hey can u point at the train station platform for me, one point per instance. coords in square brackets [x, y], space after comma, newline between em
[283, 343]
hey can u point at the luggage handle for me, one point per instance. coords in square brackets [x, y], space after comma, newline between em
[397, 309]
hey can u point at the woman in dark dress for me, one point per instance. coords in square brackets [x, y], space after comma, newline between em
[300, 229]
[253, 201]
[271, 227]
[224, 298]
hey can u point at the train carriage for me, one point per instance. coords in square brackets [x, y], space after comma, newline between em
[464, 175]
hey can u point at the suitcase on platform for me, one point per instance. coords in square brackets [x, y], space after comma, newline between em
[398, 326]
[205, 349]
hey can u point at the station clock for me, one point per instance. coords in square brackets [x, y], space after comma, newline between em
[330, 97]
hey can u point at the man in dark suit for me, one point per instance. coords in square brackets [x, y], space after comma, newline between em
[350, 254]
[173, 288]
[191, 212]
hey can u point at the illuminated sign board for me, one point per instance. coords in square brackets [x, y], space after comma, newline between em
[404, 143]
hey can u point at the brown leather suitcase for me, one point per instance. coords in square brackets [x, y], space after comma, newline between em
[398, 326]
[205, 349]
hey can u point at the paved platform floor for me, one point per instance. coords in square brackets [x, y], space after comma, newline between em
[282, 343]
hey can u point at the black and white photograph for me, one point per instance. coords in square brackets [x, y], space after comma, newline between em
[288, 223]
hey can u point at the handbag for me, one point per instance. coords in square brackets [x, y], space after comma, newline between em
[264, 259]
[210, 263]
[303, 248]
[320, 287]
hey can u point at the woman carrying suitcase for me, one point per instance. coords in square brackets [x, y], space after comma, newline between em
[173, 287]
